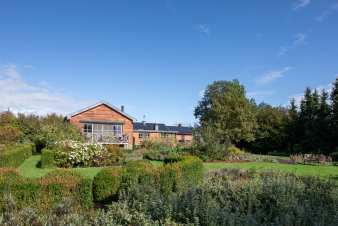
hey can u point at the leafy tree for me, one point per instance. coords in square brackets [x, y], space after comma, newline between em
[225, 108]
[271, 133]
[9, 131]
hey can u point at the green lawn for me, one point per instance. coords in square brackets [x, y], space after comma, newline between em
[302, 170]
[30, 169]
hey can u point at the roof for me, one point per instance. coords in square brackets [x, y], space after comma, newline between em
[98, 104]
[151, 127]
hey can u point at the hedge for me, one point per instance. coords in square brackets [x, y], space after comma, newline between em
[181, 175]
[16, 155]
[106, 185]
[44, 193]
[47, 158]
[172, 177]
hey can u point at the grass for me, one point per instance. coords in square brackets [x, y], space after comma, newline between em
[29, 168]
[301, 170]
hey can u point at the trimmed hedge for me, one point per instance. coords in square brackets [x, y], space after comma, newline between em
[47, 158]
[16, 155]
[106, 184]
[44, 193]
[181, 175]
[171, 177]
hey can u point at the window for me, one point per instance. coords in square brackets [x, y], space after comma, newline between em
[87, 128]
[99, 132]
[143, 135]
[168, 135]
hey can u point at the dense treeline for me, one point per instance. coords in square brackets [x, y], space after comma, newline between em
[39, 130]
[228, 117]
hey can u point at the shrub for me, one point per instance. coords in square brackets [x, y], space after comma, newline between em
[172, 157]
[112, 155]
[75, 154]
[170, 178]
[154, 155]
[9, 134]
[192, 171]
[14, 156]
[334, 156]
[106, 184]
[47, 158]
[44, 193]
[139, 172]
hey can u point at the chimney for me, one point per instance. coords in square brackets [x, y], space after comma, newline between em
[122, 108]
[179, 124]
[156, 127]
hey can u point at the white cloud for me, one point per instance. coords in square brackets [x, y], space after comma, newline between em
[203, 28]
[299, 96]
[20, 96]
[301, 4]
[298, 40]
[272, 76]
[328, 12]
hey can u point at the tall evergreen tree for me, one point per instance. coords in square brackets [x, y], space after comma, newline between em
[292, 129]
[323, 122]
[334, 118]
[309, 121]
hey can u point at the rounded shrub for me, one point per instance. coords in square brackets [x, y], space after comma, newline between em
[140, 172]
[106, 184]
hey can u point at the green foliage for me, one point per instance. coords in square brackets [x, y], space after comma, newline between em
[47, 158]
[106, 184]
[266, 199]
[225, 108]
[76, 154]
[54, 129]
[334, 118]
[45, 192]
[271, 133]
[15, 155]
[207, 145]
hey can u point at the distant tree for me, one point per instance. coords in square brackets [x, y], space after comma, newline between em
[334, 118]
[323, 122]
[9, 130]
[271, 133]
[225, 108]
[292, 127]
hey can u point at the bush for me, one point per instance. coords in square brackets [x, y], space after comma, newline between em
[44, 193]
[47, 158]
[9, 134]
[139, 172]
[334, 156]
[14, 156]
[106, 185]
[192, 171]
[75, 154]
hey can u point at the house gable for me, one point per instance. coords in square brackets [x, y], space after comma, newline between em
[103, 113]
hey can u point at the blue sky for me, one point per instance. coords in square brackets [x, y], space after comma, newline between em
[156, 57]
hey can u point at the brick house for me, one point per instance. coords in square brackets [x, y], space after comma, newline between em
[107, 124]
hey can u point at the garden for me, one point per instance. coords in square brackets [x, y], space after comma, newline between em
[243, 168]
